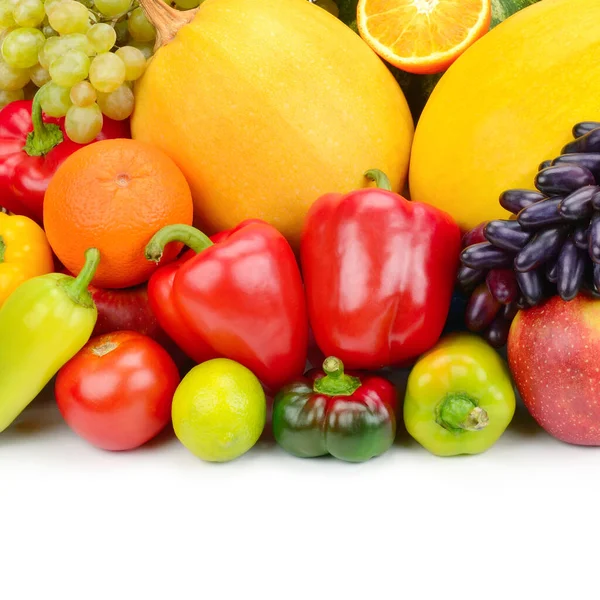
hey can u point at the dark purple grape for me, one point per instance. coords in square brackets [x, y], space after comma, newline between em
[580, 236]
[509, 311]
[516, 200]
[544, 165]
[474, 236]
[584, 127]
[485, 256]
[532, 286]
[502, 284]
[496, 335]
[468, 277]
[506, 234]
[541, 214]
[578, 204]
[596, 201]
[563, 179]
[481, 309]
[597, 276]
[589, 161]
[594, 238]
[570, 267]
[552, 270]
[589, 142]
[543, 246]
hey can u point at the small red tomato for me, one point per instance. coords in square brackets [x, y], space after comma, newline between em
[116, 392]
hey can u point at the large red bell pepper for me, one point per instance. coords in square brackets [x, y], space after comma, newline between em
[240, 297]
[32, 147]
[379, 273]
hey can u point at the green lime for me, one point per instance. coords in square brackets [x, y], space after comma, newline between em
[219, 410]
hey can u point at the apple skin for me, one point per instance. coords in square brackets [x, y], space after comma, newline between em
[554, 356]
[128, 309]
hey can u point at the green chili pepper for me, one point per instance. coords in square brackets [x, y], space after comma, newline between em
[43, 324]
[459, 397]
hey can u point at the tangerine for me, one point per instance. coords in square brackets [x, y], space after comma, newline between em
[114, 195]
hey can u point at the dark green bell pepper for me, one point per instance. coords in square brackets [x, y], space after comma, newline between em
[331, 412]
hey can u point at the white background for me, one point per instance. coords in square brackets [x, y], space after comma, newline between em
[520, 521]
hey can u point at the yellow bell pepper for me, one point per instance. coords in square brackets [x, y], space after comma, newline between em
[459, 397]
[24, 253]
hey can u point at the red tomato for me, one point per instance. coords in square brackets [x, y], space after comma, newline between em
[116, 392]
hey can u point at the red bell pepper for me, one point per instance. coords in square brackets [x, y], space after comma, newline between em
[379, 273]
[239, 297]
[32, 148]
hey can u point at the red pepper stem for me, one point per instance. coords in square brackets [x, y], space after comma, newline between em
[380, 179]
[459, 412]
[185, 234]
[336, 382]
[77, 288]
[2, 249]
[44, 136]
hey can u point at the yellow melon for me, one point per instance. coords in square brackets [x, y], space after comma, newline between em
[267, 104]
[507, 104]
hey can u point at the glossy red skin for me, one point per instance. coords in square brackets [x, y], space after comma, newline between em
[122, 399]
[23, 178]
[379, 272]
[554, 356]
[162, 304]
[244, 297]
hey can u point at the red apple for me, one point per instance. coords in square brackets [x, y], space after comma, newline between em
[554, 356]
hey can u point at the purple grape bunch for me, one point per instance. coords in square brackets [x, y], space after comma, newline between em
[550, 246]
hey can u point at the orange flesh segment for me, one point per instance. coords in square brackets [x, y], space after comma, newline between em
[421, 28]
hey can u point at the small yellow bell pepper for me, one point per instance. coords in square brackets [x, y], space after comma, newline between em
[459, 397]
[24, 253]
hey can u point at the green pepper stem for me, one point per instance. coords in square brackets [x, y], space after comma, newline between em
[2, 249]
[336, 382]
[186, 234]
[44, 136]
[380, 179]
[77, 288]
[459, 412]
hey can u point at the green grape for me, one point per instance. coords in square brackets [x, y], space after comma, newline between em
[70, 68]
[29, 13]
[102, 37]
[8, 97]
[55, 100]
[135, 62]
[21, 46]
[83, 94]
[122, 33]
[117, 105]
[113, 8]
[39, 75]
[6, 13]
[50, 5]
[187, 4]
[12, 79]
[58, 46]
[70, 17]
[107, 72]
[147, 49]
[140, 29]
[83, 123]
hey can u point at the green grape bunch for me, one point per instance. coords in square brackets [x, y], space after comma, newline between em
[82, 55]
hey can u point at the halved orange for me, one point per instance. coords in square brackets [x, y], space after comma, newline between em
[422, 36]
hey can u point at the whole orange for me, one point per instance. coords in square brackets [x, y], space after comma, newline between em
[114, 195]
